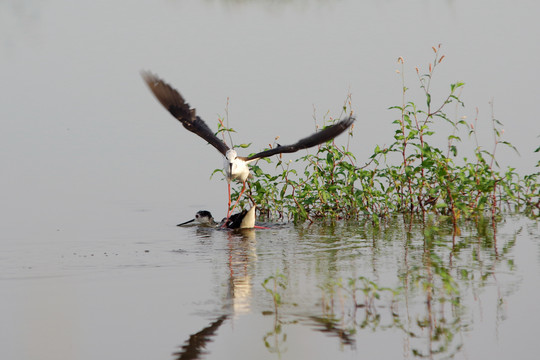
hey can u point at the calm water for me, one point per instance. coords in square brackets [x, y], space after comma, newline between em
[95, 174]
[198, 293]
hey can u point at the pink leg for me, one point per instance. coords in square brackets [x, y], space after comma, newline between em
[239, 196]
[229, 204]
[229, 210]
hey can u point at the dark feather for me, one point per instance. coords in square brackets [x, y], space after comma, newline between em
[235, 220]
[317, 138]
[179, 108]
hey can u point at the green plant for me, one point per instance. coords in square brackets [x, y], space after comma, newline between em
[412, 175]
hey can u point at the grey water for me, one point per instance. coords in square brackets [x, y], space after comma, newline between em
[193, 293]
[95, 175]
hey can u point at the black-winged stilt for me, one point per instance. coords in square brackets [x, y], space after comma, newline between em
[235, 167]
[202, 217]
[241, 220]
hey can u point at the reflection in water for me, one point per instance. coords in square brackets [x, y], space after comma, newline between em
[439, 277]
[195, 345]
[332, 327]
[275, 340]
[241, 259]
[241, 262]
[412, 277]
[204, 232]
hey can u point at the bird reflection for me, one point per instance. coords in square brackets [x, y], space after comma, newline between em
[331, 326]
[241, 258]
[195, 345]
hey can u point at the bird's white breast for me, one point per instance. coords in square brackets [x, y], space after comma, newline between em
[235, 168]
[239, 169]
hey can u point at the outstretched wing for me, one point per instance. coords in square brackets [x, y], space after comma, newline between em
[317, 138]
[179, 108]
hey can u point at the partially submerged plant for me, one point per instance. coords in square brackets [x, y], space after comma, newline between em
[423, 178]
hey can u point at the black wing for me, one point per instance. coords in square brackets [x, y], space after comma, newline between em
[235, 220]
[179, 108]
[318, 138]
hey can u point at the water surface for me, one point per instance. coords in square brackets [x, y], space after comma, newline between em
[197, 293]
[95, 174]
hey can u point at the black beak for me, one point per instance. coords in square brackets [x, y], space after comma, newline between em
[187, 222]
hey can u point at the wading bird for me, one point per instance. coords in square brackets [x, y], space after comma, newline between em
[235, 167]
[241, 220]
[202, 217]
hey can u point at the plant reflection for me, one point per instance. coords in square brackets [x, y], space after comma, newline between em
[420, 278]
[274, 285]
[275, 340]
[439, 275]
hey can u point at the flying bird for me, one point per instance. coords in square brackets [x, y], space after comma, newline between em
[235, 167]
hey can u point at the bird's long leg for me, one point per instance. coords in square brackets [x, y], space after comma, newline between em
[229, 210]
[229, 204]
[239, 196]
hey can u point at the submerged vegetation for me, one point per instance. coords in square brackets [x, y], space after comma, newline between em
[412, 175]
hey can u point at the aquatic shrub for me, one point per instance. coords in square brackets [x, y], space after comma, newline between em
[412, 175]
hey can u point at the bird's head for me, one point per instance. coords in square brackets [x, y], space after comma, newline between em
[204, 217]
[231, 155]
